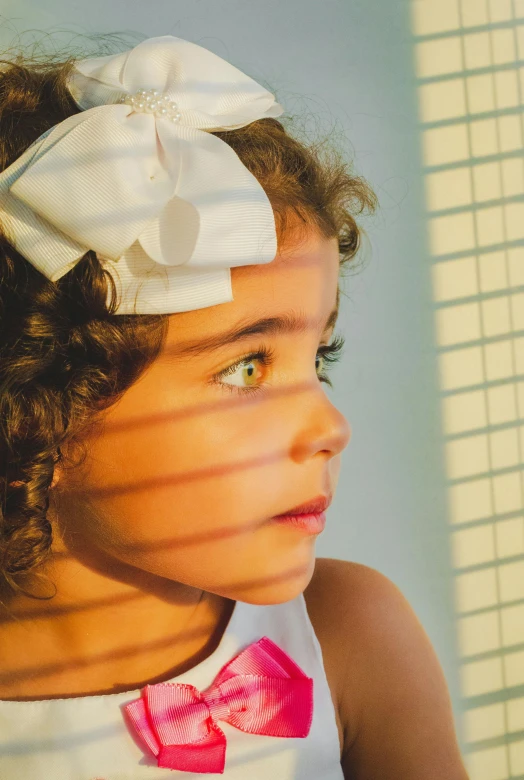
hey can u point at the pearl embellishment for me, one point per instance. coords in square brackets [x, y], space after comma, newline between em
[151, 101]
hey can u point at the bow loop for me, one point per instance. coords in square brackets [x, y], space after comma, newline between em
[282, 703]
[260, 691]
[135, 191]
[212, 94]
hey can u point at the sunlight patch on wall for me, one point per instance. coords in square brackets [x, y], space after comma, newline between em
[469, 60]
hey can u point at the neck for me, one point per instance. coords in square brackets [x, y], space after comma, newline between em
[104, 633]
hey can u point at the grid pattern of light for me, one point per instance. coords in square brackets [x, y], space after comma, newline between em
[469, 58]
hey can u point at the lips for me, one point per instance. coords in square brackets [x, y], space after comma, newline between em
[310, 508]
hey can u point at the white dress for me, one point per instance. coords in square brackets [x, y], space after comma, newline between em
[86, 737]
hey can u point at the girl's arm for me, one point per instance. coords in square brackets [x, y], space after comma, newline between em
[397, 717]
[393, 700]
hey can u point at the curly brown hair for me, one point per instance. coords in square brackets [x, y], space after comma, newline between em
[65, 356]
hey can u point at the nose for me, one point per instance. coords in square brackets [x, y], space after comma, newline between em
[323, 427]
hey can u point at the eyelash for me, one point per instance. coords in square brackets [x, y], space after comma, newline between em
[331, 353]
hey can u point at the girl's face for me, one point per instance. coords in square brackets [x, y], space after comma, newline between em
[213, 441]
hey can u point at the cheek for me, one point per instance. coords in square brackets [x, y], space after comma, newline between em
[190, 500]
[220, 469]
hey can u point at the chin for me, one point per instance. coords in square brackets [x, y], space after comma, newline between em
[279, 589]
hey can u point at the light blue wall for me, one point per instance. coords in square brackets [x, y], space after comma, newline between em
[348, 62]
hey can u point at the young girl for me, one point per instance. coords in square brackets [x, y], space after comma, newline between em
[170, 262]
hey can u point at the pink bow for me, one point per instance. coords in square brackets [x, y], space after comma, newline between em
[260, 691]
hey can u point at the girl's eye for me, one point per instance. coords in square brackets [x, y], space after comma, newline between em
[247, 374]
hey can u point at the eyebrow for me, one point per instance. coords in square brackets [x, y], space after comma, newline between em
[287, 323]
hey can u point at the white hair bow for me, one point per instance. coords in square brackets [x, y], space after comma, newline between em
[167, 207]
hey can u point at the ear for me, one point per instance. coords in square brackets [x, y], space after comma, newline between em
[57, 471]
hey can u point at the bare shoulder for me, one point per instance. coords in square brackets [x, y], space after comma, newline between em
[392, 697]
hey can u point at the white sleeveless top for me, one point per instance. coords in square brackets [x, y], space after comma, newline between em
[86, 737]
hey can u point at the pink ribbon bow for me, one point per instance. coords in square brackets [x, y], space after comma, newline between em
[260, 691]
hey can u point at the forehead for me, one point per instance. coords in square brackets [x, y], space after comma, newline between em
[302, 278]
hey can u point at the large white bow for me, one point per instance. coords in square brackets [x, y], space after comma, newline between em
[168, 207]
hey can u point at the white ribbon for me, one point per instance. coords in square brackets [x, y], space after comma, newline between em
[167, 207]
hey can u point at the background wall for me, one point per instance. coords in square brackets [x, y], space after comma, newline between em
[361, 66]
